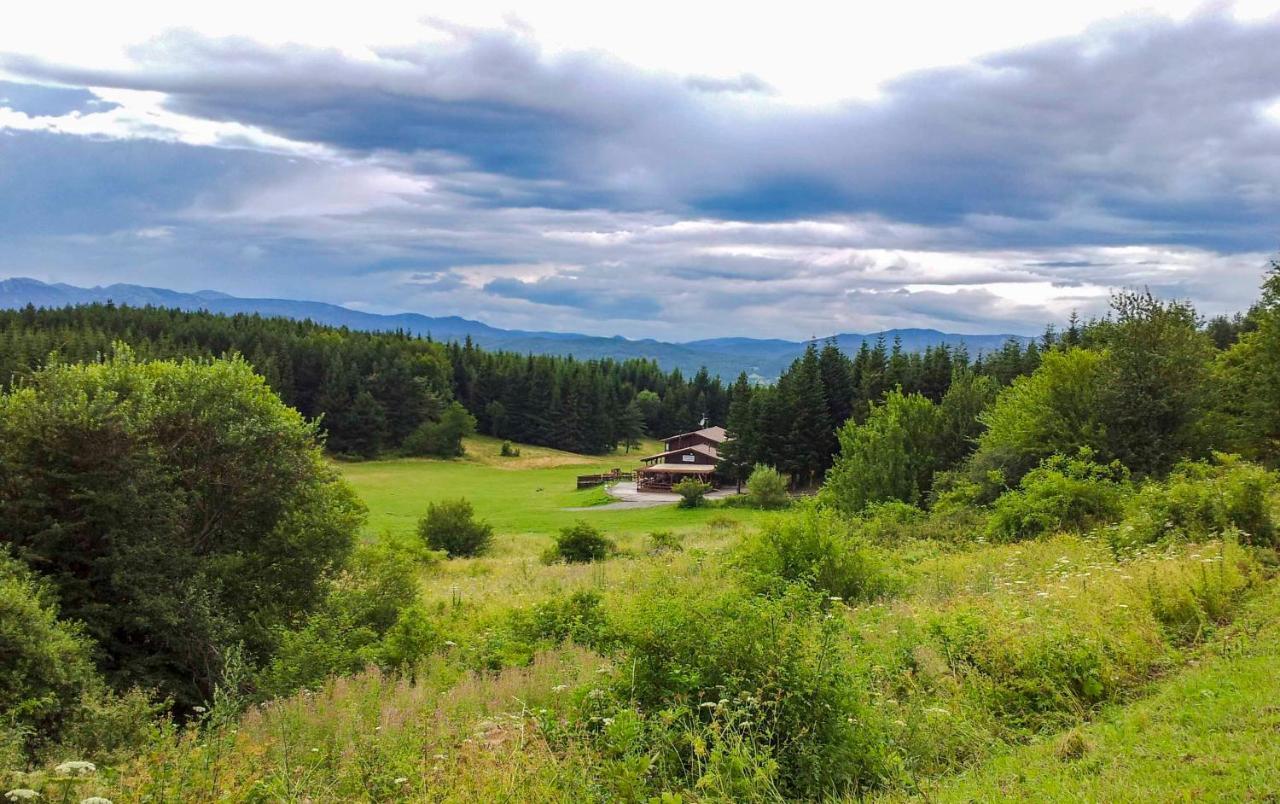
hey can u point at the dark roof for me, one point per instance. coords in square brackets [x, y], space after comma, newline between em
[701, 449]
[715, 433]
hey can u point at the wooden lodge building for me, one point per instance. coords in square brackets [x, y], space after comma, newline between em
[695, 454]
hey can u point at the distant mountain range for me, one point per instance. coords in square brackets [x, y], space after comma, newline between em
[764, 359]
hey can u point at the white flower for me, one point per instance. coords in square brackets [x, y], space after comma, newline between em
[22, 794]
[198, 710]
[400, 780]
[95, 800]
[75, 767]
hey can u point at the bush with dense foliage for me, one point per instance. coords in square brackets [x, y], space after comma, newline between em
[1062, 494]
[740, 693]
[370, 617]
[50, 692]
[451, 526]
[509, 450]
[692, 491]
[177, 509]
[889, 457]
[580, 543]
[442, 438]
[47, 666]
[816, 546]
[767, 488]
[1200, 500]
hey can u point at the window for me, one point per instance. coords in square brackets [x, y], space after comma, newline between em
[687, 458]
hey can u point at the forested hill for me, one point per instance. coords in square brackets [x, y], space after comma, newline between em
[722, 357]
[378, 392]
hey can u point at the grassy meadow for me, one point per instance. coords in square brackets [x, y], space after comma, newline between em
[523, 497]
[1055, 669]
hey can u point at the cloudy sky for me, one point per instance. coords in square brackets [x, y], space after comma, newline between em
[671, 170]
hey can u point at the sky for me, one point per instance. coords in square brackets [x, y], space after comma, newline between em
[666, 170]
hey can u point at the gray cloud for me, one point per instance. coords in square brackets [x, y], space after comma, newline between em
[483, 177]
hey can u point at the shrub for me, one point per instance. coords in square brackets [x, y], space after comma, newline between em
[1071, 494]
[177, 508]
[664, 541]
[443, 438]
[509, 450]
[746, 693]
[451, 526]
[371, 616]
[888, 457]
[767, 488]
[1201, 499]
[579, 543]
[47, 667]
[816, 546]
[692, 492]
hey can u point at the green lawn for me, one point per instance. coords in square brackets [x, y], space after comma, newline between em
[519, 496]
[1209, 733]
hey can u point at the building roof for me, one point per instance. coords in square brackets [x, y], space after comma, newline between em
[715, 433]
[679, 468]
[701, 449]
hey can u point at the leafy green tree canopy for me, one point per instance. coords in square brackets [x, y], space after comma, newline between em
[177, 508]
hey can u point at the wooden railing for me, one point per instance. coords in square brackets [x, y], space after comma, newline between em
[588, 481]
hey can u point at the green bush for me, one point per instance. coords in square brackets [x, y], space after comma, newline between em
[177, 508]
[451, 526]
[692, 492]
[47, 668]
[579, 543]
[767, 488]
[371, 616]
[509, 450]
[1062, 494]
[741, 692]
[443, 438]
[664, 541]
[816, 546]
[1201, 499]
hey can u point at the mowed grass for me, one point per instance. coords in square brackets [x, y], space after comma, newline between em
[521, 497]
[1208, 733]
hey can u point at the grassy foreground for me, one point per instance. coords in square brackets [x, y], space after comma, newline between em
[1208, 733]
[939, 666]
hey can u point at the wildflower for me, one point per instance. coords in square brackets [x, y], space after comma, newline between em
[835, 598]
[315, 750]
[707, 705]
[22, 794]
[560, 688]
[608, 721]
[199, 710]
[439, 756]
[75, 767]
[449, 643]
[95, 800]
[400, 780]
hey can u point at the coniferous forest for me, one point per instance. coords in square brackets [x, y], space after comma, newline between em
[372, 391]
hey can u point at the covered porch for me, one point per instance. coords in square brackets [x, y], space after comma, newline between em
[662, 476]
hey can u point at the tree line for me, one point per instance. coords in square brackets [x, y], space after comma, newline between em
[388, 391]
[376, 392]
